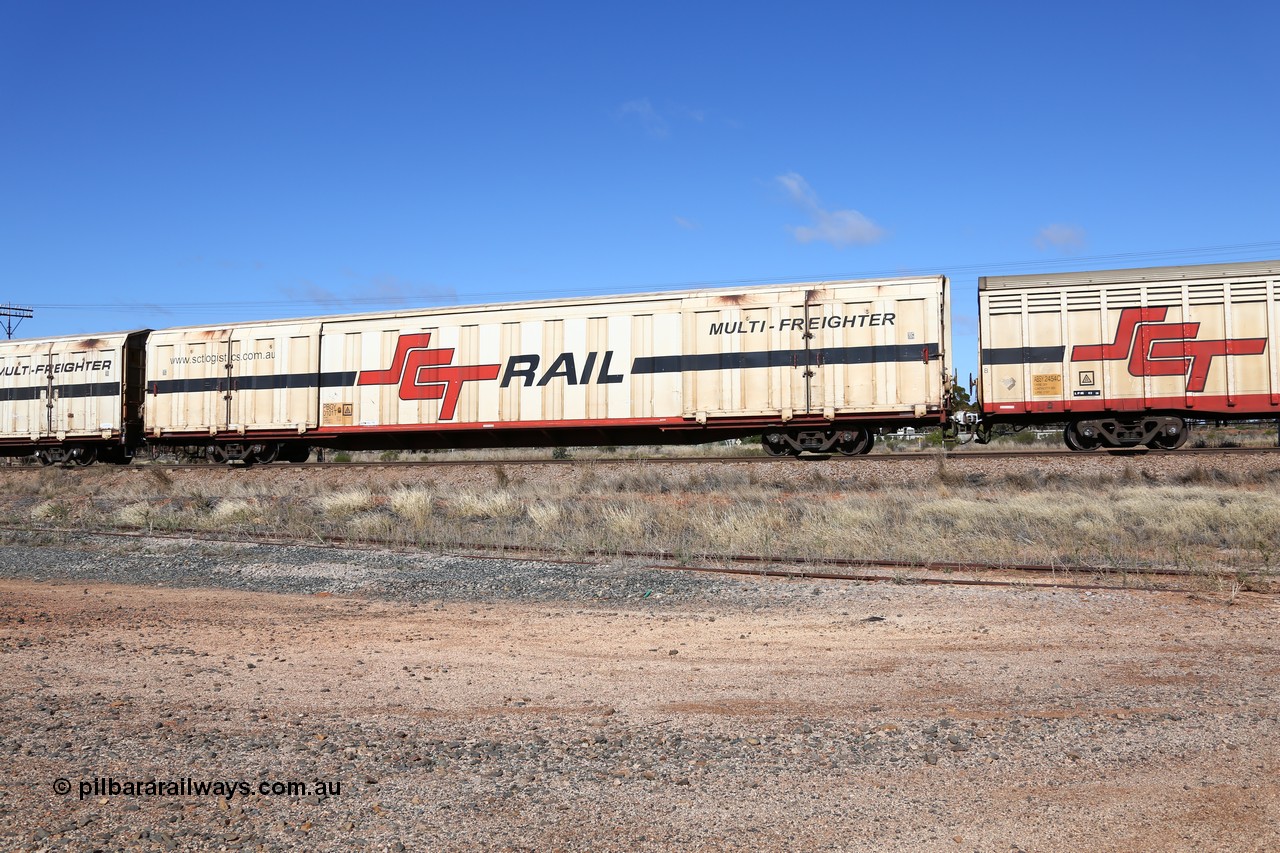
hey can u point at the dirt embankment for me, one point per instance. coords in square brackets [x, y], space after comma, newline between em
[620, 709]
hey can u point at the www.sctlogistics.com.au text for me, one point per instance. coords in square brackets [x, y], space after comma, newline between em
[108, 786]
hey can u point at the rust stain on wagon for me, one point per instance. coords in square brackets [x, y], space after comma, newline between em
[91, 343]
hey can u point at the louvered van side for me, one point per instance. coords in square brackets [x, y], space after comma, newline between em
[1123, 358]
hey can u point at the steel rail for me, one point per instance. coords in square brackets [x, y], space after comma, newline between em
[767, 567]
[909, 456]
[931, 580]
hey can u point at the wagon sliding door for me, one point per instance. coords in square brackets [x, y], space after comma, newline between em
[187, 383]
[737, 361]
[801, 357]
[272, 378]
[847, 348]
[870, 355]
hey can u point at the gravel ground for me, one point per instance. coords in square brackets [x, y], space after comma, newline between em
[466, 704]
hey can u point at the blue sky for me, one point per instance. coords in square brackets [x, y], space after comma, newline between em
[177, 163]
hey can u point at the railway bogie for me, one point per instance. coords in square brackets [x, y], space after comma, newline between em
[255, 453]
[849, 441]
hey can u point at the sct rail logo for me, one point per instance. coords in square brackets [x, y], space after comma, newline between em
[427, 374]
[1156, 348]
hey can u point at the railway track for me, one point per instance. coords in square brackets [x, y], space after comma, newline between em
[937, 573]
[905, 457]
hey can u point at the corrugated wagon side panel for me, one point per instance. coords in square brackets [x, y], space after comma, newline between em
[87, 393]
[186, 378]
[880, 352]
[531, 344]
[640, 337]
[22, 414]
[22, 402]
[1200, 340]
[301, 401]
[274, 377]
[63, 388]
[258, 377]
[759, 355]
[886, 347]
[668, 386]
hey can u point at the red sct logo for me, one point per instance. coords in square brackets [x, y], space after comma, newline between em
[427, 374]
[1157, 348]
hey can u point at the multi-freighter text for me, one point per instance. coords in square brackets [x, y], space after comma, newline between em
[848, 321]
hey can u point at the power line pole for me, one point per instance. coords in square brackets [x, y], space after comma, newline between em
[13, 316]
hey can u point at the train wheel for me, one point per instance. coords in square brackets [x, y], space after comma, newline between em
[84, 456]
[45, 457]
[1170, 442]
[216, 453]
[265, 453]
[1077, 440]
[775, 444]
[859, 442]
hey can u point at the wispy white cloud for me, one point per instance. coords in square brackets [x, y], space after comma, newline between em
[1067, 238]
[367, 290]
[660, 121]
[642, 111]
[688, 224]
[840, 228]
[307, 290]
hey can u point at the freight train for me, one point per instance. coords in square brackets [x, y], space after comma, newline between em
[1123, 358]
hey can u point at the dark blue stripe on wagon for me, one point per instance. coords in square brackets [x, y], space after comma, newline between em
[784, 358]
[269, 382]
[82, 389]
[1023, 355]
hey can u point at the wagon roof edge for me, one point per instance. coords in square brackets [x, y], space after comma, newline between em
[1127, 275]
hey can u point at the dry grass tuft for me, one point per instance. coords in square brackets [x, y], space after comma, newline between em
[544, 514]
[624, 523]
[51, 511]
[1213, 518]
[492, 505]
[135, 515]
[414, 505]
[232, 511]
[346, 503]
